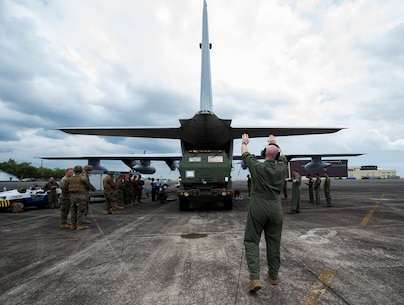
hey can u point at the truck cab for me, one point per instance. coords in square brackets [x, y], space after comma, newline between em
[205, 178]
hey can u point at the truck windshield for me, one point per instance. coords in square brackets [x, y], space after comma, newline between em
[194, 159]
[215, 159]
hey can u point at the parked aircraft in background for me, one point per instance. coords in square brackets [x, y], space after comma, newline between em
[140, 163]
[317, 162]
[206, 143]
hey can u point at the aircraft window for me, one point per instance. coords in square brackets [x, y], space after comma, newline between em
[194, 159]
[215, 159]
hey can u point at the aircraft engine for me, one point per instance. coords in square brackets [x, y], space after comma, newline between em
[172, 164]
[144, 169]
[141, 166]
[316, 165]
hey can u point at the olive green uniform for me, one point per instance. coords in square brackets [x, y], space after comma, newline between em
[264, 213]
[64, 200]
[119, 186]
[327, 190]
[297, 180]
[50, 188]
[79, 186]
[317, 187]
[109, 194]
[310, 184]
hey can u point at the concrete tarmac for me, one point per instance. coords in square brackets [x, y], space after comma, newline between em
[150, 253]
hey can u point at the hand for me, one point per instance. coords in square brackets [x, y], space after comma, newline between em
[271, 139]
[244, 138]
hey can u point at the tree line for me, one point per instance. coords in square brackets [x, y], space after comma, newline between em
[26, 170]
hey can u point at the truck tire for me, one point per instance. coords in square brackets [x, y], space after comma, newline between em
[184, 205]
[228, 204]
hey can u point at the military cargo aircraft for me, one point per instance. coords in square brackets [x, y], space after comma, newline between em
[317, 162]
[204, 133]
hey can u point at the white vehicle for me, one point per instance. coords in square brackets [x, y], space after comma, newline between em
[34, 196]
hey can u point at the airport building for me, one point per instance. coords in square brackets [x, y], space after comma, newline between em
[371, 172]
[338, 168]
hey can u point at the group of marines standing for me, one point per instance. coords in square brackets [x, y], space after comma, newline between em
[122, 192]
[76, 186]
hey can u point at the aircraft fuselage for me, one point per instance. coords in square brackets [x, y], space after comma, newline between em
[206, 131]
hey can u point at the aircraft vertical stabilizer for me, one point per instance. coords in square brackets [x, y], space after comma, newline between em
[202, 132]
[206, 83]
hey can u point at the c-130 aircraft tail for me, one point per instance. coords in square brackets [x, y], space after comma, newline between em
[206, 142]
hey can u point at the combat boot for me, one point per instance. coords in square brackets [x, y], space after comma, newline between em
[273, 282]
[254, 285]
[65, 226]
[81, 227]
[73, 227]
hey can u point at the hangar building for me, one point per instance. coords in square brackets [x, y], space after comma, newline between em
[371, 172]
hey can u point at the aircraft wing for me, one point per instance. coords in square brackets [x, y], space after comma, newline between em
[151, 157]
[313, 156]
[290, 157]
[254, 132]
[141, 132]
[140, 163]
[176, 132]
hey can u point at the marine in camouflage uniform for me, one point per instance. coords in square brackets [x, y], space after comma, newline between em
[133, 191]
[139, 188]
[87, 171]
[50, 187]
[65, 199]
[127, 191]
[79, 186]
[119, 186]
[109, 193]
[264, 210]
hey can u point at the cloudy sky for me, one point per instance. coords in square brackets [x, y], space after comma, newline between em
[92, 63]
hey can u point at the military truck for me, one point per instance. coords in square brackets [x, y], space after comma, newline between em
[205, 179]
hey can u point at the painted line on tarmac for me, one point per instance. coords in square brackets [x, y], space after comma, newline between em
[366, 219]
[318, 288]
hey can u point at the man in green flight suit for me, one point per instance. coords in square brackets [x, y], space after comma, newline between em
[327, 189]
[296, 181]
[265, 210]
[317, 186]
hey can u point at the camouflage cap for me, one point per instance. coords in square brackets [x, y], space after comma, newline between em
[88, 168]
[78, 168]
